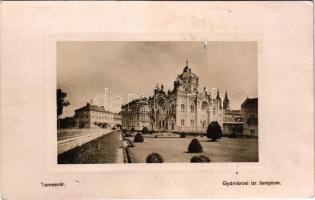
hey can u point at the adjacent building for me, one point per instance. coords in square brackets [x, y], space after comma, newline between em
[232, 119]
[185, 108]
[232, 122]
[249, 110]
[135, 114]
[117, 119]
[92, 116]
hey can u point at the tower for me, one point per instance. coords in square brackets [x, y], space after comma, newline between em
[218, 95]
[188, 80]
[226, 102]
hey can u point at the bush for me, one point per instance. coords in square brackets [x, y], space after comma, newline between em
[152, 131]
[119, 126]
[200, 159]
[138, 138]
[182, 135]
[195, 146]
[233, 135]
[127, 134]
[132, 129]
[156, 136]
[154, 158]
[145, 130]
[214, 131]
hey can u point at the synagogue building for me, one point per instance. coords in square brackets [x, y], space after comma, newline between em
[186, 108]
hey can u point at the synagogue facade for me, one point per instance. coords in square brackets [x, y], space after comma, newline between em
[186, 108]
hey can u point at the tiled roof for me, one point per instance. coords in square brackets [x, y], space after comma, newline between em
[89, 107]
[250, 102]
[233, 111]
[136, 101]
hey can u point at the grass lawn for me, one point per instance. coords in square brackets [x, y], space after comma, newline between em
[100, 150]
[174, 149]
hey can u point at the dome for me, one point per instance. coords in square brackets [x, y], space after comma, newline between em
[186, 69]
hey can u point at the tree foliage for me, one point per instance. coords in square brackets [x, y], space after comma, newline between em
[214, 131]
[145, 130]
[154, 158]
[61, 101]
[138, 138]
[200, 159]
[195, 146]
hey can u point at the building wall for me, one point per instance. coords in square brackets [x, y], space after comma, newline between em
[189, 115]
[92, 119]
[117, 119]
[194, 113]
[250, 118]
[135, 115]
[194, 109]
[82, 119]
[232, 121]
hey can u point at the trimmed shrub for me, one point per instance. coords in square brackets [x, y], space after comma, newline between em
[200, 159]
[195, 146]
[132, 129]
[138, 138]
[214, 131]
[156, 136]
[154, 158]
[106, 125]
[182, 135]
[233, 135]
[145, 130]
[127, 134]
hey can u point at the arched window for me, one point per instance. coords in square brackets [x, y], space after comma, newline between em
[192, 108]
[204, 105]
[182, 107]
[182, 122]
[192, 123]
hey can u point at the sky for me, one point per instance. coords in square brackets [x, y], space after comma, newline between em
[85, 69]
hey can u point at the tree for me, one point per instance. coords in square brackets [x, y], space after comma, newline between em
[145, 130]
[214, 131]
[200, 159]
[61, 102]
[195, 146]
[182, 135]
[154, 158]
[138, 138]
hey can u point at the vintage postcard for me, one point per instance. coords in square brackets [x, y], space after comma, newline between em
[104, 100]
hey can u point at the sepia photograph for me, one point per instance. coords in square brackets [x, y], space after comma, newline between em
[157, 102]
